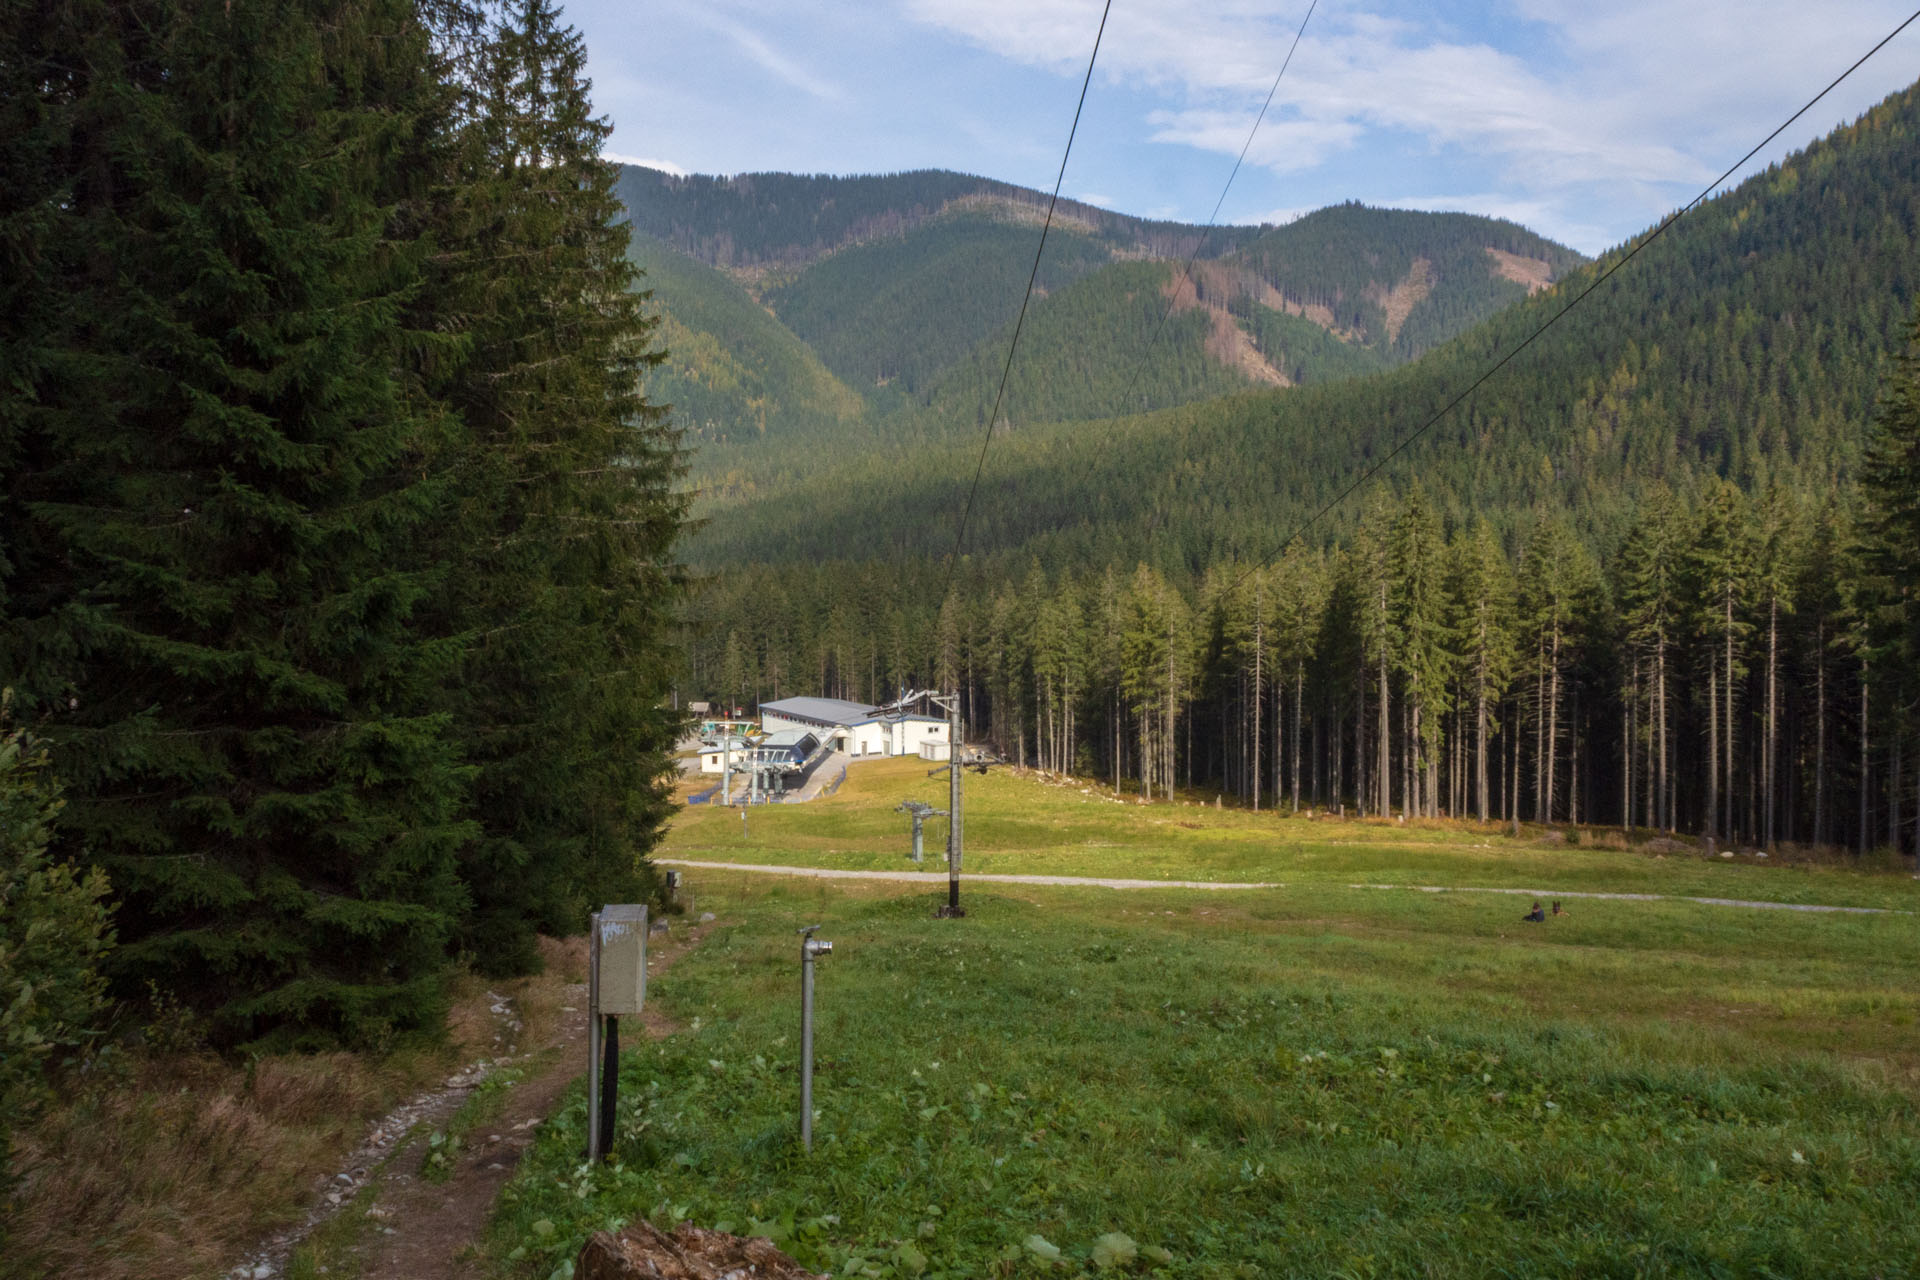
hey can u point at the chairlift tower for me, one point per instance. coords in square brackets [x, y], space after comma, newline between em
[920, 811]
[956, 823]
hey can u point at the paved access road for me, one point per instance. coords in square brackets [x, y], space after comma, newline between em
[1108, 882]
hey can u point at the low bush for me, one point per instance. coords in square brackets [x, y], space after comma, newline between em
[54, 929]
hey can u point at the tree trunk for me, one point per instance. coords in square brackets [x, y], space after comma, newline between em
[1626, 750]
[1713, 752]
[1553, 717]
[1866, 833]
[1513, 769]
[1573, 760]
[1480, 734]
[1259, 607]
[1385, 746]
[1663, 784]
[1773, 714]
[1299, 687]
[1727, 686]
[1820, 736]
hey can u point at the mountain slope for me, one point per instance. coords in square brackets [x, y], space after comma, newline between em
[734, 374]
[1749, 342]
[906, 286]
[897, 312]
[1396, 281]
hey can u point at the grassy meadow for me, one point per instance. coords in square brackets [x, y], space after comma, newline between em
[1033, 823]
[1316, 1080]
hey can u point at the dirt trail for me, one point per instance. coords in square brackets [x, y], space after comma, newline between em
[417, 1229]
[428, 1231]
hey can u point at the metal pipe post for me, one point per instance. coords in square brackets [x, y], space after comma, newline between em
[955, 755]
[809, 948]
[594, 1151]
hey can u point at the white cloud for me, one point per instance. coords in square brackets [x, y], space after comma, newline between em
[1551, 100]
[1094, 198]
[781, 67]
[1274, 217]
[665, 166]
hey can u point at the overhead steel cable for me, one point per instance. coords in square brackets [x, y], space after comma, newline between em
[960, 534]
[1186, 273]
[1401, 446]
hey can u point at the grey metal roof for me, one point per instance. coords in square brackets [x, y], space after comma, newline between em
[788, 738]
[832, 711]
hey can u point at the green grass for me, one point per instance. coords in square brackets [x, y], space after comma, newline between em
[1323, 1082]
[1025, 825]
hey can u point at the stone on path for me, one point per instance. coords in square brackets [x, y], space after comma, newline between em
[643, 1252]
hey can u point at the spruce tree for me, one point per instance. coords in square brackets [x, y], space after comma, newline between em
[566, 515]
[1423, 641]
[218, 470]
[1891, 480]
[1483, 596]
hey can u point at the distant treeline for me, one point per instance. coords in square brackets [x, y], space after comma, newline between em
[1732, 667]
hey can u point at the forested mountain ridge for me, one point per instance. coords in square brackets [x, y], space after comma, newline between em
[753, 221]
[1748, 342]
[906, 287]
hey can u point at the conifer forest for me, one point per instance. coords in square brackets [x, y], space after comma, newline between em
[336, 531]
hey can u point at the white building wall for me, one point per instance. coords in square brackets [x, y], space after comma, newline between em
[903, 738]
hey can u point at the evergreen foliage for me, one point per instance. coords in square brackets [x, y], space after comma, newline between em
[1086, 350]
[316, 343]
[734, 375]
[897, 312]
[907, 285]
[216, 508]
[565, 511]
[1349, 258]
[54, 932]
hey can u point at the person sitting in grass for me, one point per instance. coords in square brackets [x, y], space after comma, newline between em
[1536, 915]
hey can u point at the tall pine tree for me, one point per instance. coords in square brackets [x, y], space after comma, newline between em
[563, 583]
[217, 475]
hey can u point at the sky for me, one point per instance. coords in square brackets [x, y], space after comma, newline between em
[1585, 120]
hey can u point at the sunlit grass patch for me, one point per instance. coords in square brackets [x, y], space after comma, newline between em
[1254, 1088]
[1028, 823]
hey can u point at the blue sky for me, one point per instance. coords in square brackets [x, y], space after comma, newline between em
[1584, 120]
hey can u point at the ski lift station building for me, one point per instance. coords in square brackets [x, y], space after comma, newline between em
[854, 727]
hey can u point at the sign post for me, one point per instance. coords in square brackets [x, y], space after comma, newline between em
[616, 984]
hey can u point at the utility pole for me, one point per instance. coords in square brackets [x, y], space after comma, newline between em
[956, 826]
[955, 823]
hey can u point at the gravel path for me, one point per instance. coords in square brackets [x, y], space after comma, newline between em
[940, 877]
[1108, 882]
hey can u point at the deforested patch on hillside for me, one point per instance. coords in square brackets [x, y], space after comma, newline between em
[1535, 273]
[1022, 212]
[1228, 343]
[1210, 287]
[1399, 301]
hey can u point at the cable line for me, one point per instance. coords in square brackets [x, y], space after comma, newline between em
[1186, 273]
[1577, 299]
[959, 537]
